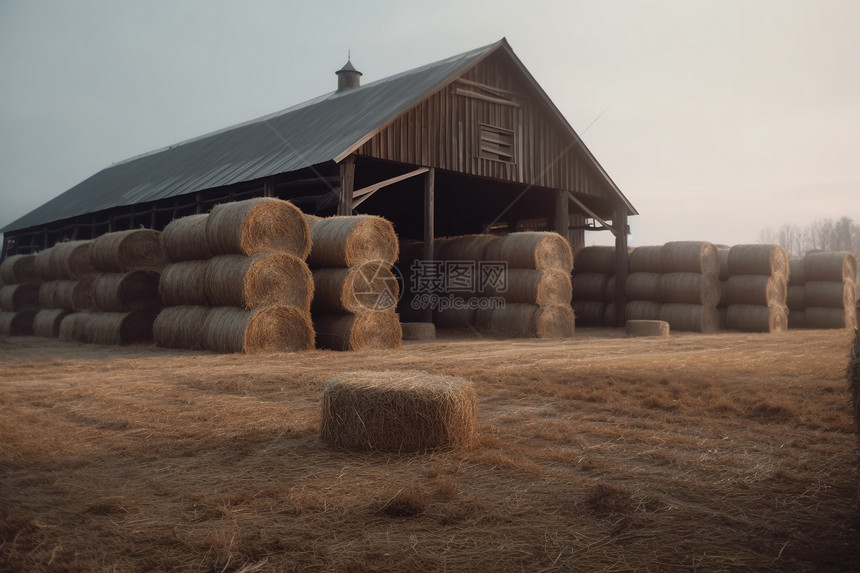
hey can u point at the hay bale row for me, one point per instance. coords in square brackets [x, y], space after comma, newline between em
[835, 266]
[347, 241]
[754, 288]
[463, 248]
[19, 297]
[370, 286]
[541, 287]
[520, 320]
[184, 284]
[591, 286]
[257, 225]
[17, 323]
[350, 331]
[184, 239]
[690, 257]
[17, 269]
[595, 259]
[690, 317]
[47, 322]
[125, 292]
[589, 312]
[822, 292]
[278, 328]
[646, 259]
[259, 280]
[761, 290]
[180, 327]
[768, 260]
[65, 261]
[124, 251]
[757, 318]
[457, 318]
[72, 295]
[109, 328]
[532, 250]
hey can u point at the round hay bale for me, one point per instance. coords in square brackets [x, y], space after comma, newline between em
[346, 241]
[280, 328]
[589, 312]
[47, 322]
[757, 318]
[72, 295]
[180, 327]
[610, 316]
[71, 326]
[796, 298]
[264, 279]
[724, 294]
[690, 257]
[818, 317]
[184, 239]
[125, 292]
[116, 328]
[456, 318]
[258, 225]
[184, 284]
[71, 260]
[368, 330]
[589, 286]
[647, 328]
[42, 265]
[418, 330]
[828, 294]
[399, 411]
[520, 320]
[541, 287]
[16, 269]
[463, 248]
[532, 250]
[644, 286]
[723, 256]
[370, 286]
[691, 317]
[17, 323]
[609, 293]
[646, 259]
[836, 266]
[642, 310]
[123, 251]
[18, 297]
[597, 259]
[723, 314]
[762, 290]
[796, 318]
[759, 260]
[796, 273]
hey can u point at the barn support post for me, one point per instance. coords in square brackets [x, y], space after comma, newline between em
[429, 232]
[622, 265]
[347, 182]
[562, 214]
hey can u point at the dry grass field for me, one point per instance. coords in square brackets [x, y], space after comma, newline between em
[598, 453]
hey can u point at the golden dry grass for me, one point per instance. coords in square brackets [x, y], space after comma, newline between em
[596, 453]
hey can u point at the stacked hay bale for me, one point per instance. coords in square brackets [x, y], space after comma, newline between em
[355, 291]
[643, 286]
[68, 278]
[796, 298]
[593, 288]
[470, 250]
[829, 292]
[689, 286]
[755, 289]
[19, 295]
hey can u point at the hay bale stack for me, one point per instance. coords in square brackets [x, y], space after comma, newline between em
[184, 284]
[463, 248]
[114, 328]
[761, 290]
[593, 284]
[71, 326]
[820, 317]
[690, 257]
[398, 411]
[17, 269]
[757, 318]
[279, 328]
[646, 259]
[647, 328]
[257, 225]
[125, 292]
[184, 239]
[691, 317]
[829, 291]
[829, 294]
[71, 295]
[17, 323]
[532, 250]
[589, 286]
[123, 251]
[690, 288]
[71, 260]
[367, 330]
[347, 241]
[19, 297]
[47, 322]
[519, 320]
[642, 310]
[754, 294]
[589, 312]
[643, 286]
[723, 256]
[264, 279]
[456, 318]
[541, 287]
[596, 259]
[768, 260]
[835, 266]
[180, 327]
[367, 287]
[418, 330]
[42, 264]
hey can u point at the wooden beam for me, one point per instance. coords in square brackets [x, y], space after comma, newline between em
[365, 192]
[347, 180]
[622, 264]
[594, 215]
[491, 89]
[483, 97]
[429, 227]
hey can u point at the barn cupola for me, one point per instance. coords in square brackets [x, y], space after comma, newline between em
[348, 77]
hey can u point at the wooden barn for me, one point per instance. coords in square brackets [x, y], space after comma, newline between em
[468, 144]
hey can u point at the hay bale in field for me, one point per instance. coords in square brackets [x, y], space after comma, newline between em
[184, 239]
[691, 317]
[125, 292]
[264, 279]
[520, 320]
[723, 256]
[17, 269]
[589, 312]
[280, 328]
[796, 272]
[368, 330]
[759, 260]
[644, 286]
[115, 328]
[463, 248]
[818, 317]
[829, 294]
[180, 327]
[690, 257]
[589, 286]
[398, 411]
[597, 259]
[17, 323]
[757, 318]
[123, 251]
[647, 328]
[73, 295]
[763, 290]
[71, 260]
[47, 322]
[642, 310]
[346, 241]
[532, 250]
[184, 284]
[418, 330]
[796, 298]
[646, 259]
[690, 288]
[18, 297]
[370, 286]
[836, 266]
[455, 318]
[257, 225]
[541, 287]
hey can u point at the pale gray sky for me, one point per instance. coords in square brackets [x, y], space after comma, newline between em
[719, 118]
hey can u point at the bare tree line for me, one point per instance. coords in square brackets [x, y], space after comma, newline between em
[821, 235]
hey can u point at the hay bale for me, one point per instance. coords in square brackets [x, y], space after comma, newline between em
[829, 294]
[644, 286]
[125, 292]
[836, 266]
[368, 330]
[541, 287]
[370, 286]
[258, 225]
[646, 259]
[71, 260]
[818, 317]
[796, 298]
[589, 286]
[346, 241]
[184, 239]
[609, 293]
[279, 328]
[691, 317]
[642, 310]
[724, 294]
[610, 316]
[47, 322]
[263, 279]
[646, 328]
[72, 295]
[418, 330]
[759, 260]
[184, 284]
[796, 318]
[723, 314]
[762, 290]
[520, 320]
[853, 375]
[690, 257]
[456, 318]
[723, 256]
[400, 411]
[589, 312]
[115, 328]
[180, 327]
[463, 248]
[796, 272]
[71, 326]
[532, 250]
[42, 264]
[17, 323]
[123, 251]
[690, 288]
[17, 269]
[757, 318]
[597, 259]
[18, 297]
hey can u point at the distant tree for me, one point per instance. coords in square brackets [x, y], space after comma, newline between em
[820, 235]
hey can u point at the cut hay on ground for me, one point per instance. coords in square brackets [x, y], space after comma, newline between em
[271, 329]
[125, 292]
[184, 239]
[456, 318]
[180, 327]
[690, 288]
[690, 257]
[691, 317]
[256, 226]
[418, 330]
[71, 260]
[17, 323]
[463, 248]
[758, 260]
[73, 295]
[123, 251]
[184, 284]
[264, 279]
[836, 266]
[532, 250]
[757, 318]
[541, 287]
[370, 286]
[47, 322]
[647, 328]
[114, 328]
[398, 411]
[763, 290]
[644, 286]
[589, 286]
[597, 259]
[18, 297]
[818, 317]
[348, 241]
[589, 312]
[368, 330]
[829, 294]
[17, 269]
[642, 310]
[646, 259]
[519, 320]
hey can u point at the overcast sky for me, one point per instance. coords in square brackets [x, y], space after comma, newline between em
[715, 118]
